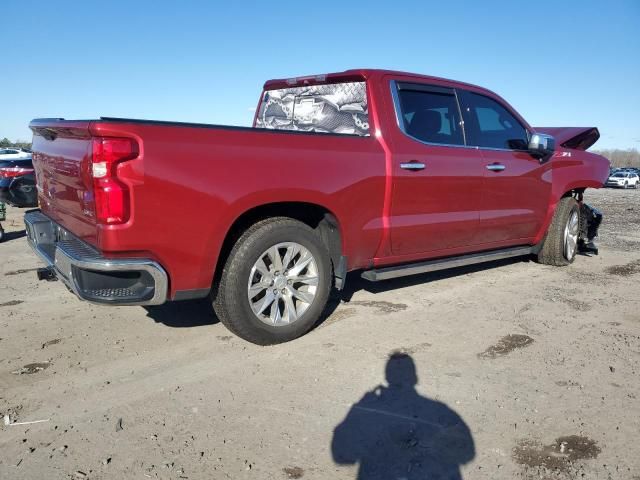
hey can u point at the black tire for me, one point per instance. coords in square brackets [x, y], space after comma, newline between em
[229, 295]
[553, 249]
[1, 234]
[626, 185]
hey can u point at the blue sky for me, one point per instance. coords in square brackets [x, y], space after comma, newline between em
[569, 63]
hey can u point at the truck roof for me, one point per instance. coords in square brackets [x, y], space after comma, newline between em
[358, 74]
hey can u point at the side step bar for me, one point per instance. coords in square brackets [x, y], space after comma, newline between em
[386, 273]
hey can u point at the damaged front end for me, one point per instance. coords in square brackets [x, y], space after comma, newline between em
[590, 220]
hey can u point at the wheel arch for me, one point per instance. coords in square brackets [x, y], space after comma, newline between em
[316, 216]
[574, 189]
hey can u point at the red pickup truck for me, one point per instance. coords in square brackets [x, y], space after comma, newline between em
[383, 172]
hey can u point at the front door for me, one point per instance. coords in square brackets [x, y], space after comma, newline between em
[437, 180]
[517, 186]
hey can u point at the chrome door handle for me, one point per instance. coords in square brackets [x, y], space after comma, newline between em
[413, 166]
[496, 167]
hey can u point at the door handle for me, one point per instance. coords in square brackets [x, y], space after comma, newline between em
[413, 165]
[496, 167]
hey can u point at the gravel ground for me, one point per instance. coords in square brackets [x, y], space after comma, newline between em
[522, 371]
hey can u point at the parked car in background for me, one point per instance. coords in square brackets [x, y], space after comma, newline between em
[14, 154]
[623, 179]
[17, 182]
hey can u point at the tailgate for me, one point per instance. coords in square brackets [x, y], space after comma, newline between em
[61, 158]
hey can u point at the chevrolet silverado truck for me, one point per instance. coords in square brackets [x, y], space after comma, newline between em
[381, 172]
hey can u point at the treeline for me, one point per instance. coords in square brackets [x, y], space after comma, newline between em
[6, 143]
[621, 158]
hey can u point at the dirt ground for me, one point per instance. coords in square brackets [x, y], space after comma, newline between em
[523, 371]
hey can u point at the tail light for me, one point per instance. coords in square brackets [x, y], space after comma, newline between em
[110, 194]
[10, 172]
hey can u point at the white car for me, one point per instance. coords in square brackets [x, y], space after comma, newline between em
[14, 154]
[623, 180]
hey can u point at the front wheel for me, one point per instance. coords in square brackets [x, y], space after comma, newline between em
[275, 283]
[560, 245]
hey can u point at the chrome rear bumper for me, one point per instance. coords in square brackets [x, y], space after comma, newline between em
[88, 274]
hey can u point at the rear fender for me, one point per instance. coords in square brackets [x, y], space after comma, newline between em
[219, 231]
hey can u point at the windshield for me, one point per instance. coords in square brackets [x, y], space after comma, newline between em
[619, 175]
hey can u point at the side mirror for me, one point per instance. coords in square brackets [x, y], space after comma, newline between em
[542, 146]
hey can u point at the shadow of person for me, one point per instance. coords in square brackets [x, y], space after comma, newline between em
[394, 433]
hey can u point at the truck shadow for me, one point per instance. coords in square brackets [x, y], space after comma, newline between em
[8, 236]
[184, 314]
[197, 313]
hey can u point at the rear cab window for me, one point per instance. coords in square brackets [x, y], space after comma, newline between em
[338, 108]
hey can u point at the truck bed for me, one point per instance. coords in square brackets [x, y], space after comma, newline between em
[195, 179]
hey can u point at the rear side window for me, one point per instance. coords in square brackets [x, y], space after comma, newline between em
[430, 115]
[489, 124]
[333, 108]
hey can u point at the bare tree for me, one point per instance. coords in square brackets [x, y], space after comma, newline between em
[621, 158]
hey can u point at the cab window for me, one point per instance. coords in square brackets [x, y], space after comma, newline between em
[429, 114]
[489, 124]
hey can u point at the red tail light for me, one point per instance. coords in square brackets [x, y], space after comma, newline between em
[110, 194]
[10, 172]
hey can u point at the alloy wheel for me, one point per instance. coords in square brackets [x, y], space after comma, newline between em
[571, 235]
[282, 283]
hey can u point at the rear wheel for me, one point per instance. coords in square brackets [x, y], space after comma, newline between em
[275, 282]
[560, 245]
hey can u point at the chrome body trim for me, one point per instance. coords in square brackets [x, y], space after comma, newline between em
[65, 253]
[413, 166]
[496, 167]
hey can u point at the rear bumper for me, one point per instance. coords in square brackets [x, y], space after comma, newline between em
[88, 274]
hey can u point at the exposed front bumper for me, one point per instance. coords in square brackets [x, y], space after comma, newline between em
[88, 274]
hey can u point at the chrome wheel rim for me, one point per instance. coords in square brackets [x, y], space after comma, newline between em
[282, 284]
[571, 235]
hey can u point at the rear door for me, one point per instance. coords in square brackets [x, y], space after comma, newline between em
[517, 187]
[436, 180]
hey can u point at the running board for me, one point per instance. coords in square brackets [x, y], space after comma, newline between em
[444, 263]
